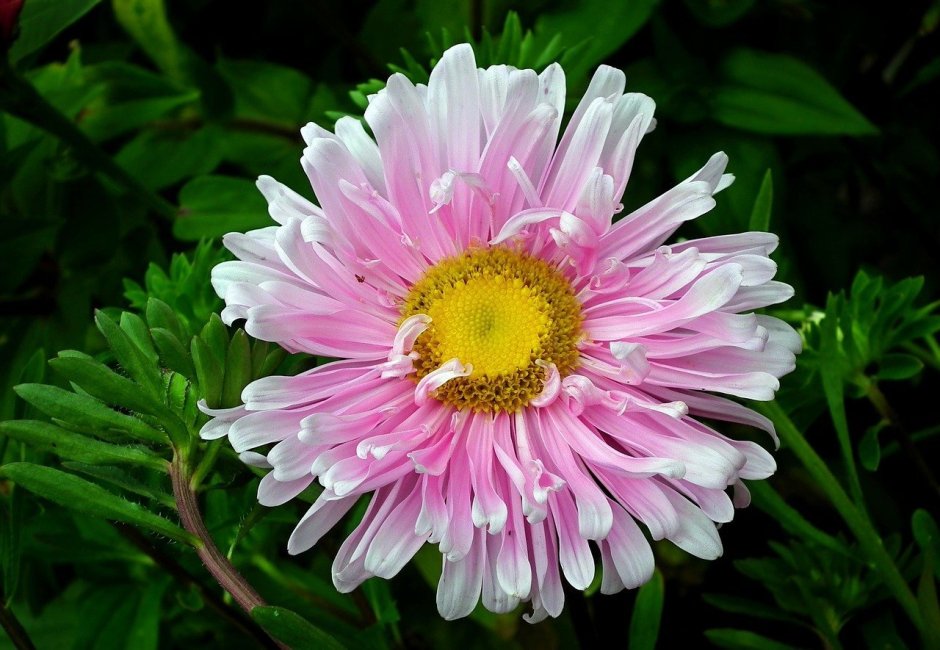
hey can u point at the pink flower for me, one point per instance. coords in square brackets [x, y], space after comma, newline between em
[522, 376]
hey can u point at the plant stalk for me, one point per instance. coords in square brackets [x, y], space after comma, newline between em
[217, 564]
[868, 538]
[14, 629]
[244, 624]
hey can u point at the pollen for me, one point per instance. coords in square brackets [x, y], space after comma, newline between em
[503, 312]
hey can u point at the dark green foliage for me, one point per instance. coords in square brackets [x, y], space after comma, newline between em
[151, 127]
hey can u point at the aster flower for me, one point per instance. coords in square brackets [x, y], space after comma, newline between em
[520, 377]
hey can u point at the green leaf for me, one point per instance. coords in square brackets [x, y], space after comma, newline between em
[896, 367]
[161, 158]
[144, 632]
[123, 480]
[768, 500]
[211, 206]
[74, 446]
[831, 372]
[237, 369]
[292, 629]
[134, 359]
[781, 95]
[42, 20]
[100, 381]
[744, 640]
[146, 22]
[647, 614]
[720, 13]
[748, 607]
[160, 314]
[578, 23]
[137, 330]
[763, 205]
[268, 92]
[131, 98]
[80, 495]
[926, 532]
[869, 448]
[215, 334]
[208, 372]
[86, 412]
[174, 355]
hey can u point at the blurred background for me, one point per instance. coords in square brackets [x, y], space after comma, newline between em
[827, 111]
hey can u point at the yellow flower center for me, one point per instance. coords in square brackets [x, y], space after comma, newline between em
[499, 311]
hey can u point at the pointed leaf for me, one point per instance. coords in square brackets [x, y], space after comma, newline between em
[135, 360]
[42, 20]
[208, 372]
[237, 369]
[292, 629]
[74, 446]
[778, 94]
[100, 381]
[86, 412]
[123, 480]
[647, 614]
[763, 204]
[744, 640]
[77, 494]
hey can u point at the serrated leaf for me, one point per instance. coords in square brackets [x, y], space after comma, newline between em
[781, 95]
[211, 206]
[763, 205]
[647, 614]
[294, 630]
[74, 446]
[83, 496]
[42, 20]
[86, 412]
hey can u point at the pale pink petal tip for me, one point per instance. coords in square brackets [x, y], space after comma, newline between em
[611, 450]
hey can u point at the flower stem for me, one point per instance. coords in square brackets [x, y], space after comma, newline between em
[868, 538]
[14, 629]
[244, 624]
[217, 564]
[19, 98]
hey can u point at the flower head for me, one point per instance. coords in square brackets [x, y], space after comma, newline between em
[520, 377]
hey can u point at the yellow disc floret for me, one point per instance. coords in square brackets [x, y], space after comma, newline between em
[499, 311]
